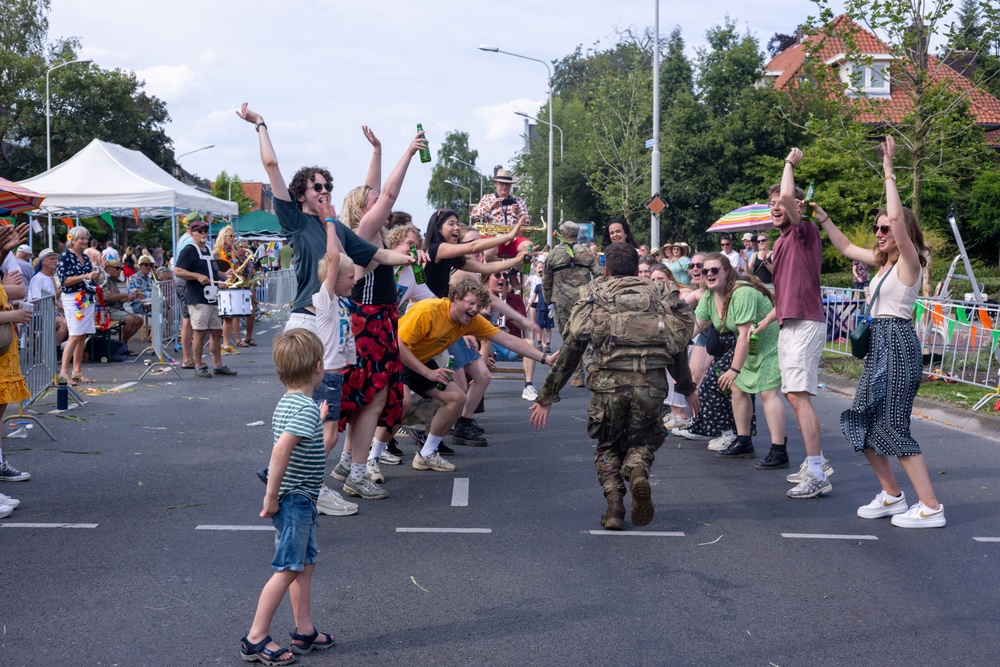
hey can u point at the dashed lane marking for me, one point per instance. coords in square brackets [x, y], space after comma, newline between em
[460, 492]
[444, 530]
[986, 539]
[47, 525]
[827, 536]
[224, 527]
[631, 533]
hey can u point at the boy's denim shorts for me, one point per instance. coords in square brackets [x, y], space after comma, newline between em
[464, 355]
[295, 534]
[330, 390]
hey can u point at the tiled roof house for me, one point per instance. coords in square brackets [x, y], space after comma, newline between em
[881, 93]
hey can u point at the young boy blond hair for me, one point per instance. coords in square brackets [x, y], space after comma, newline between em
[298, 462]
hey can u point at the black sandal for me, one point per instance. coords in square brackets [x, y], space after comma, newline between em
[310, 642]
[260, 653]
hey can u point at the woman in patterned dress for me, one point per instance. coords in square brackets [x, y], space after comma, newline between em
[737, 304]
[76, 275]
[878, 423]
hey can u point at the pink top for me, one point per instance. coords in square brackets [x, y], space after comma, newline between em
[797, 260]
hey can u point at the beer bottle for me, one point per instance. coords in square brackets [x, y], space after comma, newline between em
[450, 366]
[754, 347]
[807, 208]
[425, 153]
[526, 267]
[418, 271]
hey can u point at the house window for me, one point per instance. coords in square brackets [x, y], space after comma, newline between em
[867, 80]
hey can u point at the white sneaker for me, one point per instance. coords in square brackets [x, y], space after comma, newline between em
[8, 501]
[432, 462]
[796, 477]
[883, 505]
[374, 472]
[332, 503]
[388, 459]
[529, 393]
[920, 516]
[688, 434]
[672, 421]
[722, 443]
[5, 511]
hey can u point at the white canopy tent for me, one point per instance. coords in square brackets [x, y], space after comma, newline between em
[105, 177]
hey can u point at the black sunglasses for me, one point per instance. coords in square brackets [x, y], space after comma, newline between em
[762, 240]
[498, 276]
[883, 228]
[725, 245]
[712, 271]
[695, 265]
[319, 187]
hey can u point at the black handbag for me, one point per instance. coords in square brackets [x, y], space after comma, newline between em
[860, 337]
[715, 344]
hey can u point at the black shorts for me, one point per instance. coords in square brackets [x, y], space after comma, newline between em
[417, 382]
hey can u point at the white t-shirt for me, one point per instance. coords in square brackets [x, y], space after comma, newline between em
[735, 259]
[110, 254]
[529, 288]
[407, 288]
[333, 322]
[41, 285]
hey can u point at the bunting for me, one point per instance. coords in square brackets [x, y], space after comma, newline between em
[68, 222]
[106, 217]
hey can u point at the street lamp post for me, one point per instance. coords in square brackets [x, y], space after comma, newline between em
[654, 221]
[203, 148]
[469, 164]
[459, 185]
[48, 131]
[493, 49]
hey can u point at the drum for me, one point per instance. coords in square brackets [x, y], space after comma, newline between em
[235, 303]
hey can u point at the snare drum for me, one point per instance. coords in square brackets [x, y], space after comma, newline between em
[235, 303]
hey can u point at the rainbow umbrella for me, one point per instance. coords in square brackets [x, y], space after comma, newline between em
[17, 199]
[745, 218]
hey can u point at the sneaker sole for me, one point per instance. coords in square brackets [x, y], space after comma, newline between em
[468, 443]
[331, 512]
[338, 477]
[23, 477]
[748, 455]
[821, 492]
[718, 448]
[691, 436]
[358, 494]
[865, 513]
[764, 466]
[383, 462]
[422, 466]
[919, 523]
[642, 503]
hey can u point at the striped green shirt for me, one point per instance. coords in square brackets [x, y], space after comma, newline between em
[298, 414]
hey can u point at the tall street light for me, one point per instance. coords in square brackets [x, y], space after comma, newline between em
[459, 185]
[539, 120]
[203, 148]
[654, 221]
[48, 131]
[493, 49]
[469, 164]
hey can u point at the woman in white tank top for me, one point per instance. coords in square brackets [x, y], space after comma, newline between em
[878, 423]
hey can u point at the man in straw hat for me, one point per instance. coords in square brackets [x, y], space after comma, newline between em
[502, 209]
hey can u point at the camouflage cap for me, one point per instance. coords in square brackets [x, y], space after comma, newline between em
[569, 229]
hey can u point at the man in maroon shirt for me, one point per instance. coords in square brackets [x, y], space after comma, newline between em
[798, 306]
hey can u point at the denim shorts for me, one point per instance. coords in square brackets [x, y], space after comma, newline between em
[464, 355]
[295, 534]
[330, 390]
[503, 354]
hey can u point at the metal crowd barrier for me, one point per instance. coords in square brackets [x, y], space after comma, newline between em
[37, 343]
[960, 340]
[275, 294]
[164, 326]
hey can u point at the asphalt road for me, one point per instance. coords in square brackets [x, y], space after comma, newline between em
[714, 580]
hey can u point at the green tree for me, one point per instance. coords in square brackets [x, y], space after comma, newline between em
[23, 29]
[230, 188]
[441, 193]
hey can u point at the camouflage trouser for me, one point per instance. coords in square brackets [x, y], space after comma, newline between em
[562, 321]
[628, 430]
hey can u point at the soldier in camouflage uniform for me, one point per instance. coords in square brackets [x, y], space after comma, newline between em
[569, 267]
[625, 405]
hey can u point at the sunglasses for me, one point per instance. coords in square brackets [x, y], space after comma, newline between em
[319, 187]
[695, 265]
[881, 228]
[762, 240]
[725, 245]
[499, 276]
[713, 271]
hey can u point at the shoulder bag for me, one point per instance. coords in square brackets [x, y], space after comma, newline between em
[860, 337]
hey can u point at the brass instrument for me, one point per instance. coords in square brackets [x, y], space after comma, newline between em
[494, 229]
[238, 281]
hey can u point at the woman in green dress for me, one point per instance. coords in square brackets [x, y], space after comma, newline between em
[736, 304]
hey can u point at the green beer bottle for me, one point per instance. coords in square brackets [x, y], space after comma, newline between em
[807, 209]
[754, 347]
[425, 154]
[418, 271]
[450, 366]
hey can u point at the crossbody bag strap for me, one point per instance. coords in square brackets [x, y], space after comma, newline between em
[871, 303]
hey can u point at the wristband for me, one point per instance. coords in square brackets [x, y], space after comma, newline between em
[333, 220]
[735, 370]
[791, 163]
[260, 125]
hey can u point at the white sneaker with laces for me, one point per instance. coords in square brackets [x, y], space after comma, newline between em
[432, 462]
[810, 487]
[332, 503]
[529, 393]
[5, 511]
[374, 472]
[688, 434]
[722, 443]
[883, 505]
[8, 501]
[388, 459]
[672, 421]
[920, 516]
[796, 477]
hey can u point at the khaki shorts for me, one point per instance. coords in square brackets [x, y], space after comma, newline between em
[205, 317]
[800, 346]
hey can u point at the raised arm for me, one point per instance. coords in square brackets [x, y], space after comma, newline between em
[267, 156]
[908, 267]
[333, 249]
[374, 177]
[473, 266]
[840, 240]
[376, 217]
[787, 194]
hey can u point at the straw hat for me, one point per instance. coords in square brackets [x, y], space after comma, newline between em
[504, 176]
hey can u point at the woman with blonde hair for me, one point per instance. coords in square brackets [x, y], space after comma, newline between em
[878, 422]
[76, 274]
[224, 250]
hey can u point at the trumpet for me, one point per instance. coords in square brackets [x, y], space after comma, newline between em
[494, 229]
[238, 280]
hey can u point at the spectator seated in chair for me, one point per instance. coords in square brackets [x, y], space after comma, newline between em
[117, 302]
[142, 282]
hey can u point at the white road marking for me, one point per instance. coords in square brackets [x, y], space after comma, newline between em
[827, 536]
[122, 386]
[444, 530]
[986, 539]
[639, 533]
[47, 525]
[460, 492]
[275, 328]
[223, 527]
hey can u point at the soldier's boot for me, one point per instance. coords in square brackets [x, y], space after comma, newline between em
[614, 516]
[642, 497]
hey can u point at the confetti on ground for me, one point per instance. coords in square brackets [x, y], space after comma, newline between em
[255, 424]
[704, 544]
[418, 585]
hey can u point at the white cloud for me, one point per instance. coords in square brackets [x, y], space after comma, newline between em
[168, 81]
[500, 121]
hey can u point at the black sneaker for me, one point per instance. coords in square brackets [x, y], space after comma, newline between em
[775, 460]
[445, 450]
[262, 475]
[223, 370]
[393, 447]
[466, 434]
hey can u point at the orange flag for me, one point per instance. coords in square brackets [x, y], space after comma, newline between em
[68, 222]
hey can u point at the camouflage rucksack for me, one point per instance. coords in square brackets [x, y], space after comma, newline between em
[637, 324]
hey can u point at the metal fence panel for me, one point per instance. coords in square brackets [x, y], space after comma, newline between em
[37, 341]
[275, 294]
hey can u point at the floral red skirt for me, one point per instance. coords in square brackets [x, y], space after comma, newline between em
[375, 336]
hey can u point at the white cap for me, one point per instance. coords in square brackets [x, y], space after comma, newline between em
[748, 237]
[25, 248]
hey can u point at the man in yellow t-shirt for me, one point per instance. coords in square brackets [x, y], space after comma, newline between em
[426, 330]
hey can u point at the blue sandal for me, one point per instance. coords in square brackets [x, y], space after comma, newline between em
[260, 653]
[310, 642]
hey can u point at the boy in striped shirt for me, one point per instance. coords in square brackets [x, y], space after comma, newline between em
[298, 461]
